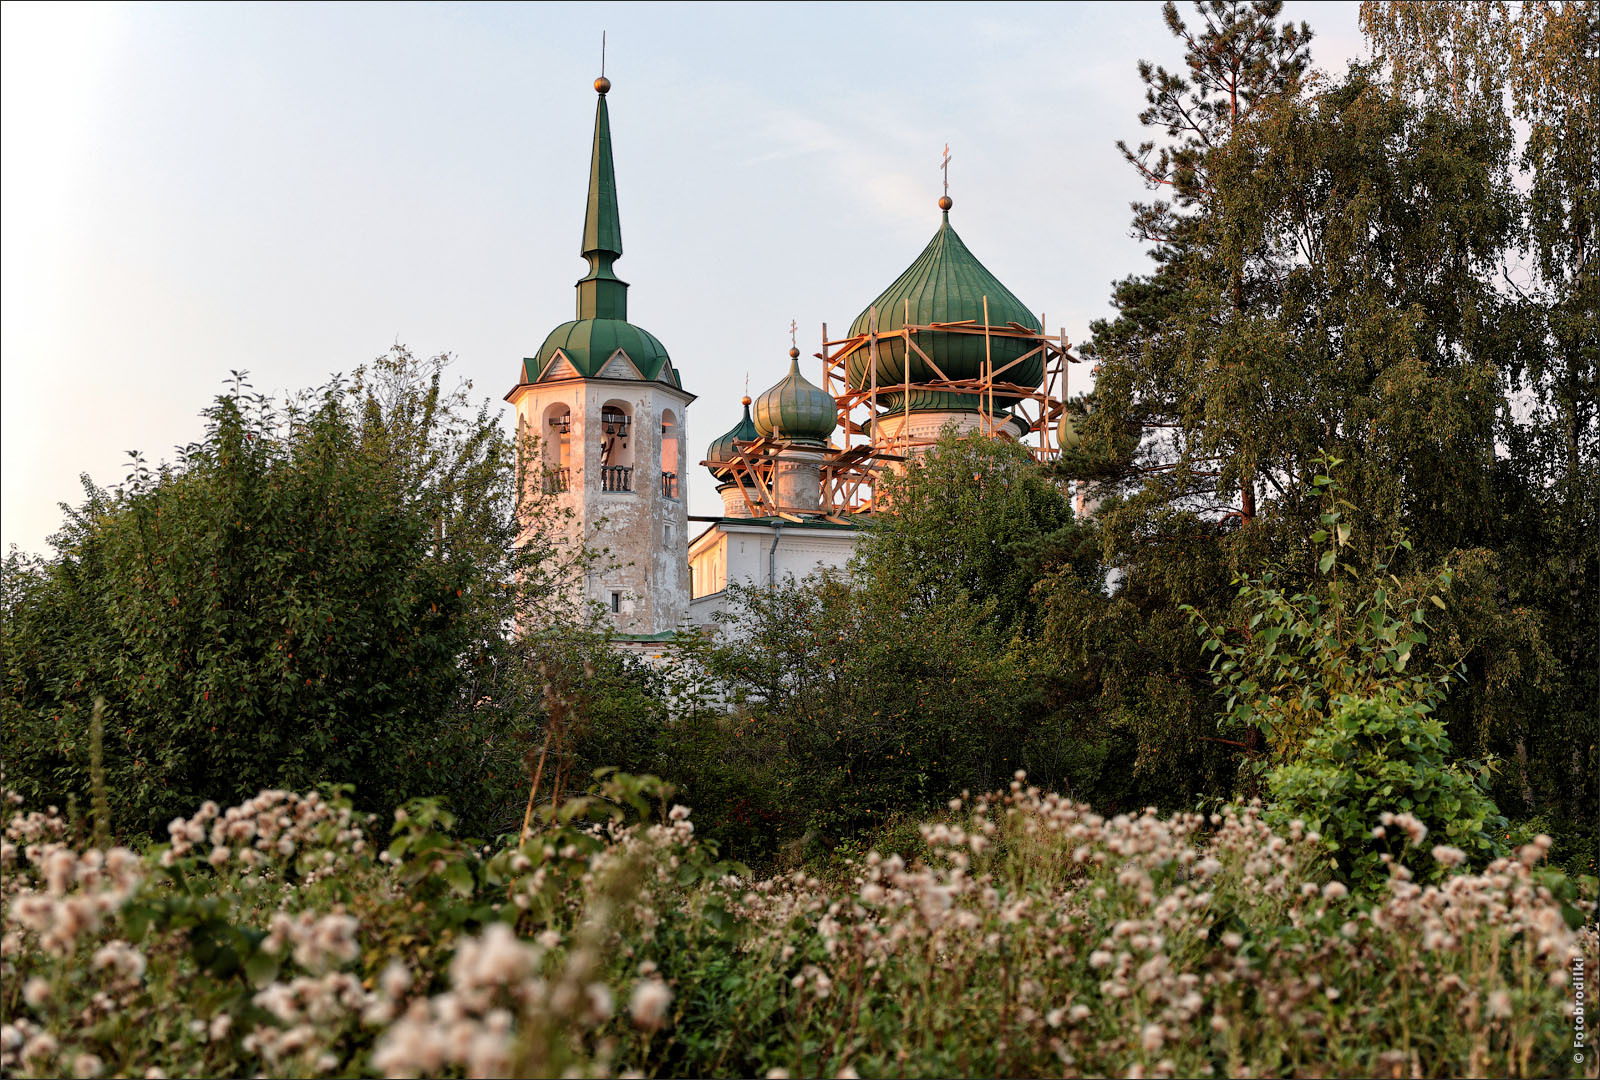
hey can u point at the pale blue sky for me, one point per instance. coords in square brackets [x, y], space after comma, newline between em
[289, 189]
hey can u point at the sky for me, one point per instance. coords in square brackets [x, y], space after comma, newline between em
[289, 190]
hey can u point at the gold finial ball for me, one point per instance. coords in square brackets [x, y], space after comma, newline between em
[946, 202]
[745, 400]
[602, 84]
[794, 353]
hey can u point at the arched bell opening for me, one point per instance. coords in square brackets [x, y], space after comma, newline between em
[616, 437]
[671, 452]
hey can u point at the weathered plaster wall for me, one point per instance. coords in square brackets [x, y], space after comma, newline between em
[644, 531]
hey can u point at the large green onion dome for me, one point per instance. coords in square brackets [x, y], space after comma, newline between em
[945, 284]
[796, 410]
[725, 448]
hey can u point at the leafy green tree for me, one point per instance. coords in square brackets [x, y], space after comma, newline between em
[1329, 286]
[973, 518]
[1531, 67]
[309, 595]
[855, 707]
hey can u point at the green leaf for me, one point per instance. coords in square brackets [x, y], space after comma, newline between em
[459, 877]
[261, 968]
[1325, 562]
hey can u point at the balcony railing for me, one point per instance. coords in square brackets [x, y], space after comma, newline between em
[669, 484]
[557, 479]
[616, 478]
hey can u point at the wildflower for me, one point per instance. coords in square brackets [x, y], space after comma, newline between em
[395, 980]
[1152, 1038]
[87, 1065]
[42, 1045]
[1499, 1005]
[1335, 890]
[36, 992]
[649, 1003]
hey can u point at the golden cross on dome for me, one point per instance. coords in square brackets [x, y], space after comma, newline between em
[793, 329]
[945, 165]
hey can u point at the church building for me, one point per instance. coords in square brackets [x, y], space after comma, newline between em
[945, 347]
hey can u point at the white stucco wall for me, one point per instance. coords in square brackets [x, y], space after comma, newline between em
[742, 552]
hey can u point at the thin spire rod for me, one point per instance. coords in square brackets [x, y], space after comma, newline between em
[603, 66]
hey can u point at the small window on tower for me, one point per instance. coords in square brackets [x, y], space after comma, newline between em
[616, 603]
[666, 533]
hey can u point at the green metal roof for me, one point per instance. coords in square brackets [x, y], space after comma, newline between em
[723, 449]
[946, 283]
[589, 343]
[795, 408]
[602, 326]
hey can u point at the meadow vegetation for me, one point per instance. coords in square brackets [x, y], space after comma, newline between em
[289, 936]
[1282, 762]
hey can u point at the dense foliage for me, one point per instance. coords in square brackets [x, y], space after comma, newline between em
[1385, 269]
[1377, 753]
[301, 598]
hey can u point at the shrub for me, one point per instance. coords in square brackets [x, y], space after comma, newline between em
[1375, 781]
[1307, 643]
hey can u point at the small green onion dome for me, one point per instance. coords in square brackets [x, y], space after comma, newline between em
[1067, 432]
[795, 409]
[945, 284]
[725, 449]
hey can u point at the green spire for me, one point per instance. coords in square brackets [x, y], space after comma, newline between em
[601, 294]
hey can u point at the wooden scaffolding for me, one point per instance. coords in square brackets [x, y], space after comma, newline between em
[850, 468]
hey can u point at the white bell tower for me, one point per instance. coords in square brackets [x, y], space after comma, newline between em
[606, 404]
